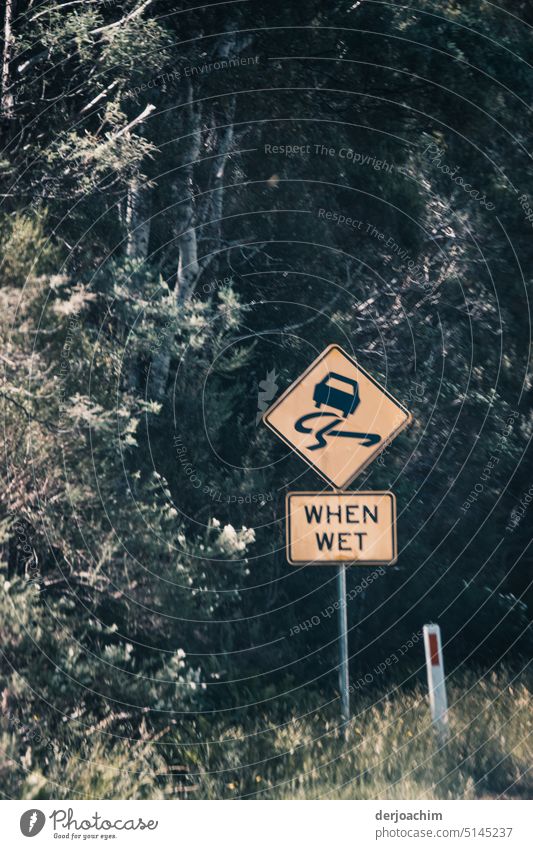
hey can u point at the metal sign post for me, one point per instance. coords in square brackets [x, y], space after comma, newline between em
[344, 673]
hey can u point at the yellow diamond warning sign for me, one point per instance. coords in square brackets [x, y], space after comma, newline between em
[337, 417]
[341, 527]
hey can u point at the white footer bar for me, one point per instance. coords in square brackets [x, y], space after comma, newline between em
[262, 825]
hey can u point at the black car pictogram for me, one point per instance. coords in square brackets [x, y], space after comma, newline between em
[344, 397]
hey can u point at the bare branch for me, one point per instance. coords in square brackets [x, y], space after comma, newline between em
[61, 7]
[138, 120]
[99, 97]
[28, 414]
[135, 14]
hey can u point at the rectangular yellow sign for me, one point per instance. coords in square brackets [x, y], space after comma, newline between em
[341, 527]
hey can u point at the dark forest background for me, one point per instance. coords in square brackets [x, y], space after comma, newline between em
[168, 262]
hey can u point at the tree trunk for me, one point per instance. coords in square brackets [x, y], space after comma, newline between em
[137, 220]
[187, 218]
[226, 141]
[8, 102]
[188, 268]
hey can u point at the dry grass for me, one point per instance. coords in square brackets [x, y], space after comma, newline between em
[389, 751]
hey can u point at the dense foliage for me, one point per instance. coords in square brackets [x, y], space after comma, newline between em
[194, 203]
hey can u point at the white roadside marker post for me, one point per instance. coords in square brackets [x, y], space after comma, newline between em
[436, 682]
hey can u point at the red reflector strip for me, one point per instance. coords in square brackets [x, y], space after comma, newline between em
[434, 649]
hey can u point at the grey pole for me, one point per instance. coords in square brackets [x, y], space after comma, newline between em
[344, 675]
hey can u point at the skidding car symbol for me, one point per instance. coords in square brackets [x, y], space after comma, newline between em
[344, 397]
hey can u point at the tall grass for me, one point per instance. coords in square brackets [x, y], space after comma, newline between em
[388, 750]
